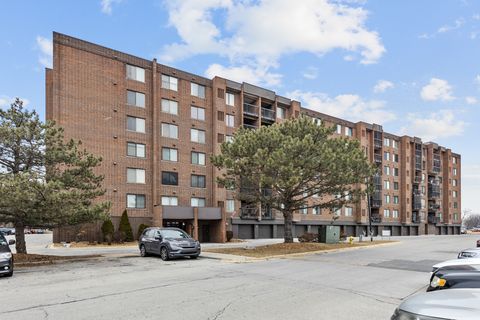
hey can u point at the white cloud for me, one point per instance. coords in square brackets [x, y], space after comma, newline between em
[471, 100]
[5, 101]
[258, 76]
[382, 86]
[457, 24]
[437, 89]
[46, 51]
[349, 106]
[310, 73]
[256, 33]
[441, 124]
[107, 5]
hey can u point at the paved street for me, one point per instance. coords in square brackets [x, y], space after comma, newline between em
[365, 283]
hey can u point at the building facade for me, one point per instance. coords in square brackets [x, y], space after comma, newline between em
[156, 127]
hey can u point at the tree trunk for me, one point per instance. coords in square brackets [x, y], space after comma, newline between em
[288, 218]
[20, 244]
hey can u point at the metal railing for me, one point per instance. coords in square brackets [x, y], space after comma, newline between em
[250, 109]
[376, 218]
[252, 212]
[249, 126]
[415, 218]
[433, 219]
[377, 143]
[377, 158]
[268, 114]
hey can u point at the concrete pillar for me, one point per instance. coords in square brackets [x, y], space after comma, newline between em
[157, 216]
[255, 231]
[274, 231]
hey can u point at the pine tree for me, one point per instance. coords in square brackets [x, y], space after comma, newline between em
[282, 165]
[125, 228]
[108, 230]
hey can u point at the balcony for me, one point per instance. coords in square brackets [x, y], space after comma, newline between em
[268, 114]
[252, 212]
[433, 207]
[377, 158]
[377, 143]
[249, 126]
[417, 180]
[415, 218]
[376, 218]
[433, 219]
[375, 203]
[250, 110]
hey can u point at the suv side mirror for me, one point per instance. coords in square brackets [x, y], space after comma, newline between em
[11, 242]
[158, 237]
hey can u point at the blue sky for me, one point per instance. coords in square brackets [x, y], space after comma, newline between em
[412, 66]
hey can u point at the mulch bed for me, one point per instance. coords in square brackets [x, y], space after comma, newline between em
[22, 259]
[85, 244]
[289, 248]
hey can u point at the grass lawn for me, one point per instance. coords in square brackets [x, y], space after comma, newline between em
[290, 248]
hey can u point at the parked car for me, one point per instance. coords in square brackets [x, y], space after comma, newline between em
[469, 277]
[168, 243]
[469, 253]
[455, 263]
[7, 231]
[6, 257]
[444, 304]
[463, 231]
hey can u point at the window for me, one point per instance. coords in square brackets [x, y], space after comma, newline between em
[386, 185]
[316, 210]
[136, 124]
[395, 213]
[386, 213]
[454, 160]
[423, 203]
[230, 205]
[454, 194]
[220, 137]
[454, 171]
[230, 99]
[454, 182]
[423, 190]
[386, 156]
[395, 144]
[169, 130]
[197, 202]
[220, 116]
[230, 120]
[135, 149]
[197, 90]
[135, 175]
[303, 210]
[135, 73]
[395, 199]
[337, 212]
[395, 158]
[317, 121]
[170, 106]
[395, 172]
[135, 99]
[395, 185]
[339, 128]
[423, 177]
[136, 201]
[170, 154]
[386, 170]
[387, 198]
[348, 131]
[228, 138]
[170, 178]
[280, 113]
[169, 83]
[348, 211]
[386, 142]
[198, 181]
[197, 113]
[198, 158]
[169, 201]
[197, 135]
[455, 216]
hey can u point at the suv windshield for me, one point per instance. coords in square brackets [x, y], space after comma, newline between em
[174, 234]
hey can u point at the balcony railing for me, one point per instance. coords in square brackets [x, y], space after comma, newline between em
[249, 126]
[433, 207]
[268, 114]
[250, 109]
[433, 219]
[415, 218]
[252, 212]
[376, 203]
[377, 143]
[377, 158]
[376, 218]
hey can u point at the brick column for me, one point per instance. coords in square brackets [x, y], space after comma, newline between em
[195, 223]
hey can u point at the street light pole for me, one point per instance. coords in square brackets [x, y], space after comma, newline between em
[369, 204]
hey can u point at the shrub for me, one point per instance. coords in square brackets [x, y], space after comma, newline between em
[119, 236]
[141, 228]
[125, 227]
[108, 230]
[308, 237]
[229, 235]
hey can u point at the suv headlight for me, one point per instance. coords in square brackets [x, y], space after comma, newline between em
[403, 315]
[5, 255]
[437, 282]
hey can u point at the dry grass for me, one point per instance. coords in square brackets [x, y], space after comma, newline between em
[22, 258]
[289, 248]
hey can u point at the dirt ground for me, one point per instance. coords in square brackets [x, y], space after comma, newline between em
[21, 258]
[85, 244]
[289, 248]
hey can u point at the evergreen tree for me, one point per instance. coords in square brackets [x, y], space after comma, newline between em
[125, 228]
[282, 165]
[108, 230]
[45, 182]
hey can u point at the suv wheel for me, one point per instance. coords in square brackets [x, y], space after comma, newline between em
[164, 254]
[143, 251]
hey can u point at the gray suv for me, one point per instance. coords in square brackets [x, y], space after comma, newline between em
[168, 243]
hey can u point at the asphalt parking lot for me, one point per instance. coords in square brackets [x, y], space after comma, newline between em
[366, 283]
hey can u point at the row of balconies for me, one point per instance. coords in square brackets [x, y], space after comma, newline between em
[253, 110]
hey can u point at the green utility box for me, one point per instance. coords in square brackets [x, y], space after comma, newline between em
[329, 234]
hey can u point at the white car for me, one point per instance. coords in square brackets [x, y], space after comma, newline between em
[469, 253]
[451, 264]
[444, 304]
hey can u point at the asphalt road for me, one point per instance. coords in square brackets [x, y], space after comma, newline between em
[365, 283]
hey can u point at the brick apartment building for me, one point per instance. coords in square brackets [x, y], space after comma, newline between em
[156, 126]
